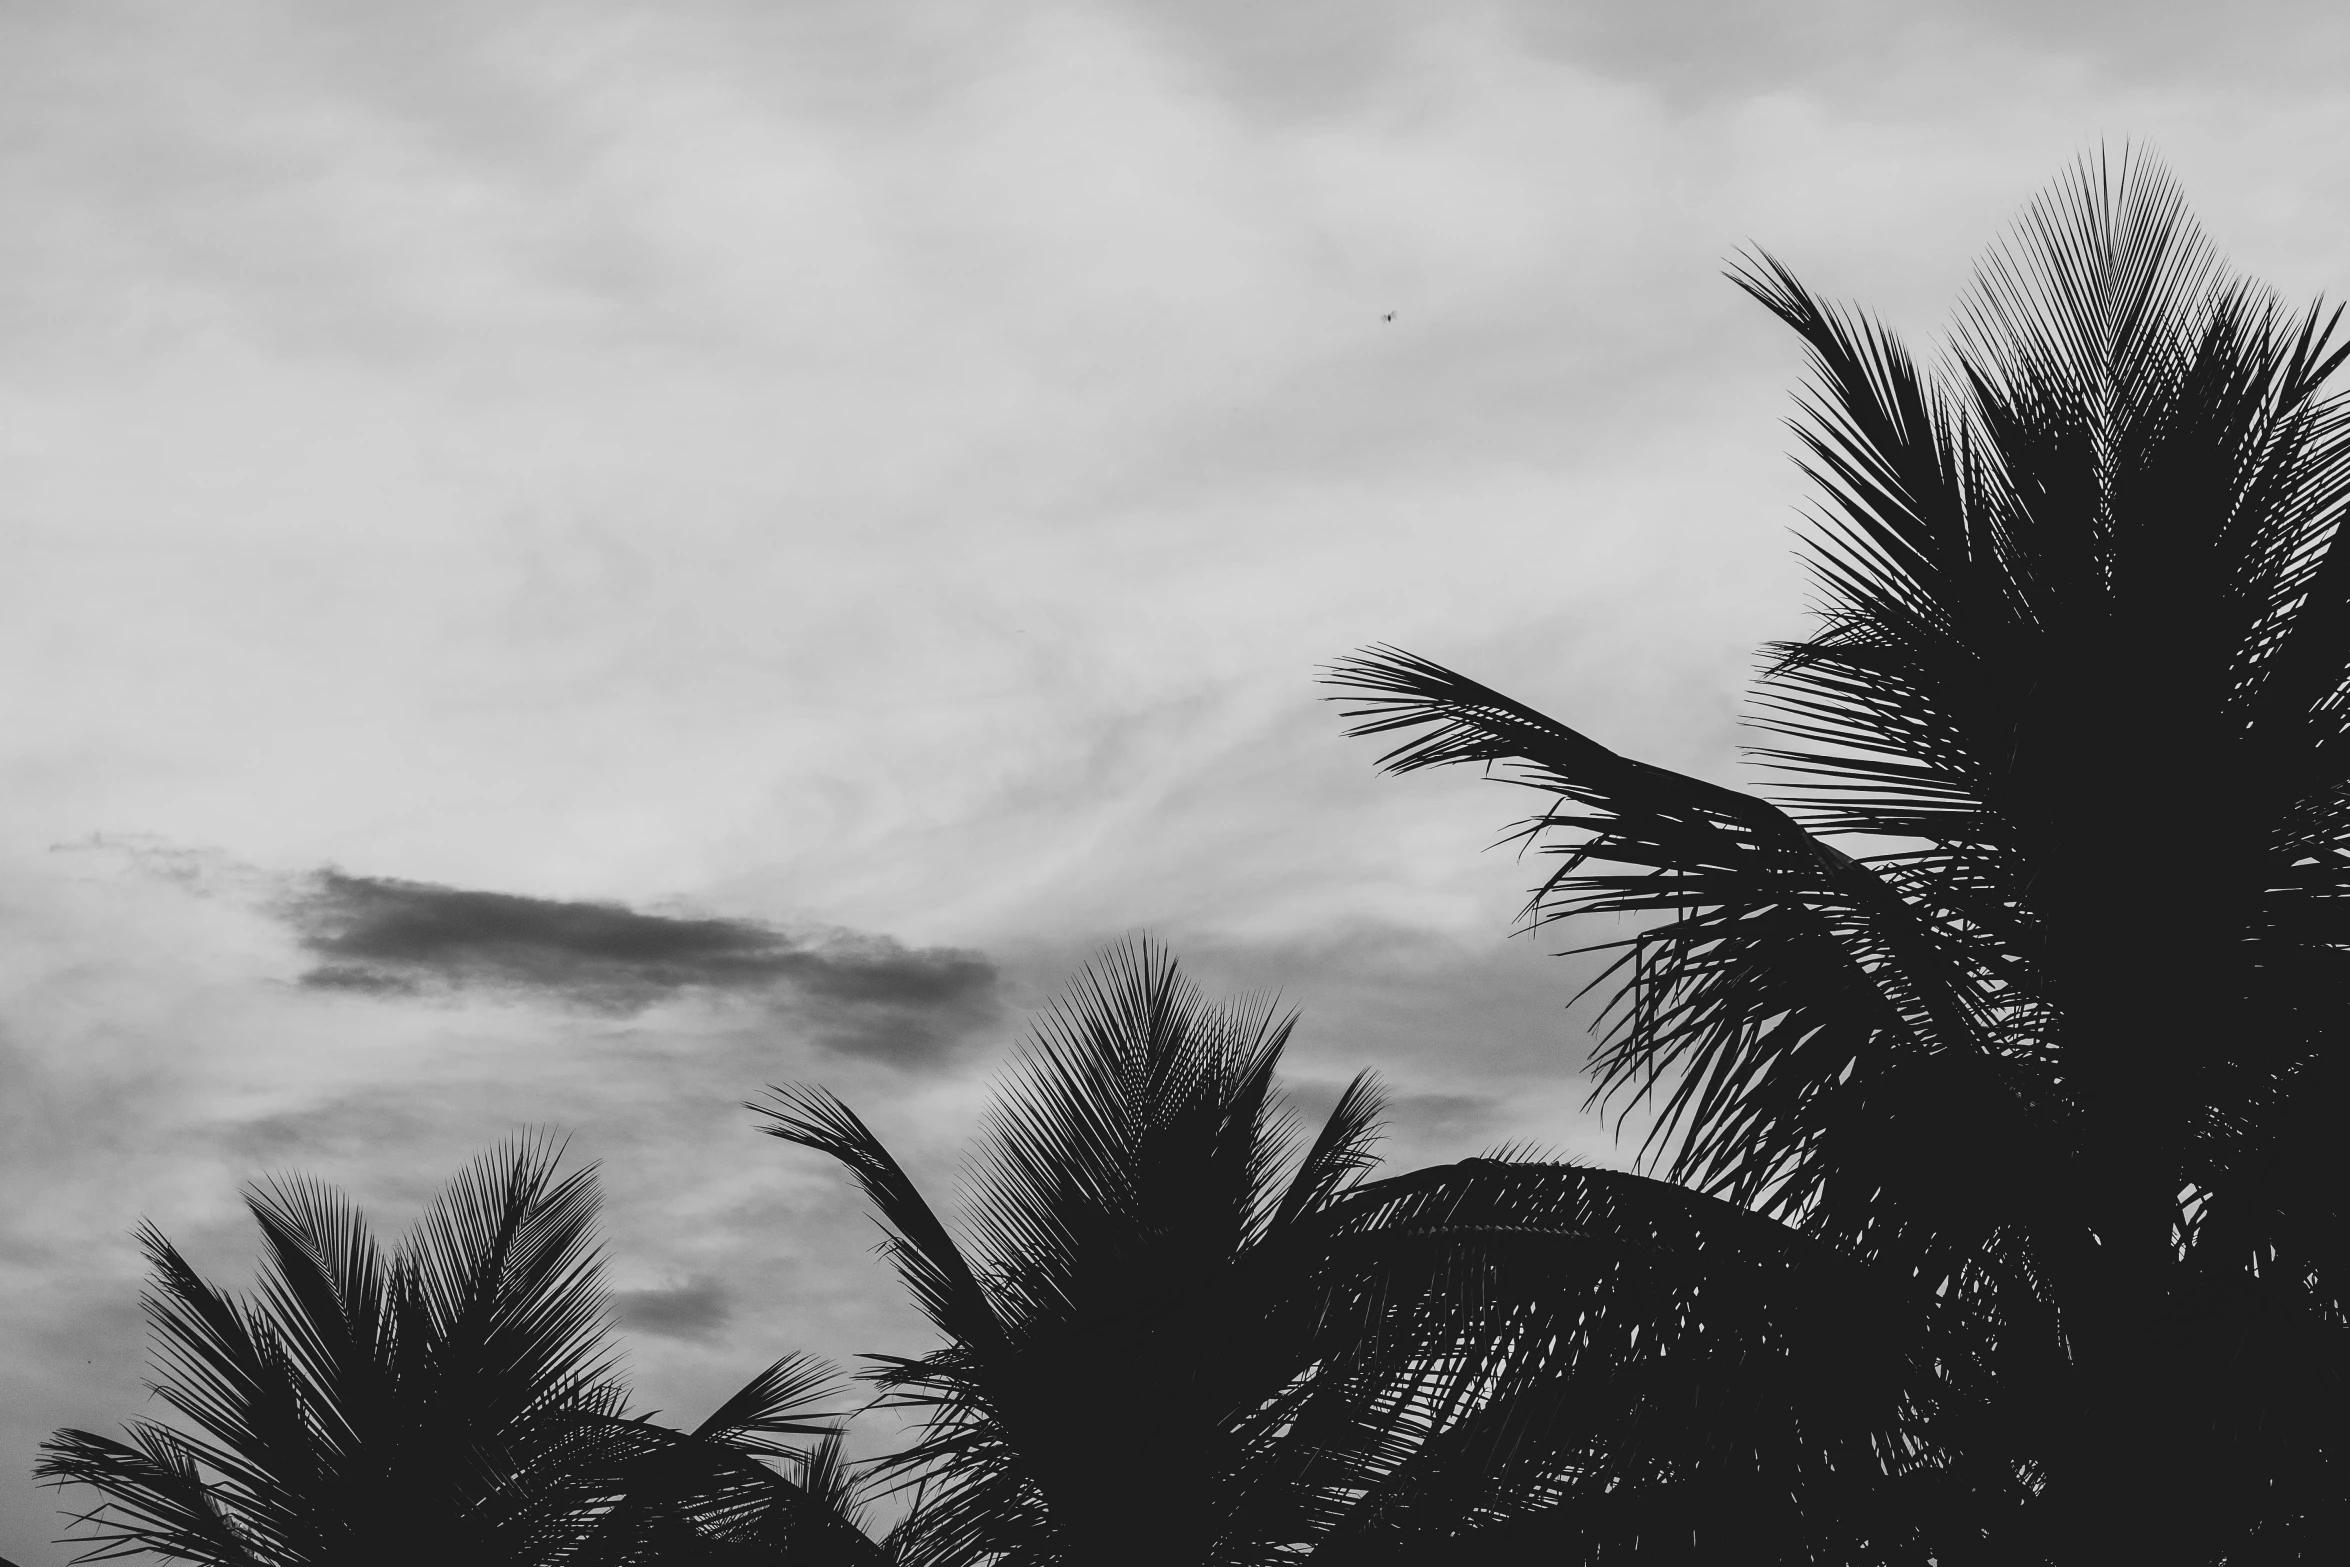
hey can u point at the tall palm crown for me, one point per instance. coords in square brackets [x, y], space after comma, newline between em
[1125, 1248]
[2034, 986]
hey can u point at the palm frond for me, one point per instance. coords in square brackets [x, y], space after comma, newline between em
[1786, 985]
[156, 1500]
[714, 1495]
[1341, 1152]
[1553, 1341]
[327, 1291]
[932, 1265]
[505, 1268]
[776, 1402]
[225, 1372]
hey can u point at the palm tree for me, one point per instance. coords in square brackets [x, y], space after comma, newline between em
[1127, 1251]
[454, 1401]
[2030, 991]
[1171, 1336]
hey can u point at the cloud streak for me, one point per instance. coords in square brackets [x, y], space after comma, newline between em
[864, 995]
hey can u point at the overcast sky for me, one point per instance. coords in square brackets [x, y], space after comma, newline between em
[567, 562]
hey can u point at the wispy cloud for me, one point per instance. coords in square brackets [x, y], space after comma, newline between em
[865, 995]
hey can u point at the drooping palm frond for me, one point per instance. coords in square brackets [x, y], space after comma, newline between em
[1587, 1364]
[155, 1501]
[1793, 1000]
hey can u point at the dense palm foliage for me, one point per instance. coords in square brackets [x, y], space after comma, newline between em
[1131, 1248]
[2028, 996]
[452, 1401]
[1175, 1331]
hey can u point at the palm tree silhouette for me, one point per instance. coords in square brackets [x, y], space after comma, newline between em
[455, 1401]
[1177, 1332]
[2030, 994]
[1130, 1250]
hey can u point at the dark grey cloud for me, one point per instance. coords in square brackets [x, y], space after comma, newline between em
[860, 994]
[696, 1309]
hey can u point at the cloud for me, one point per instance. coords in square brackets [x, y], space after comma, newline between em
[695, 1309]
[862, 995]
[865, 461]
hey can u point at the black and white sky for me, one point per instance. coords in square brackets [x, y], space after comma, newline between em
[565, 562]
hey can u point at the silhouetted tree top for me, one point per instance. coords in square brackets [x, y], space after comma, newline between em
[2030, 982]
[451, 1399]
[1180, 1330]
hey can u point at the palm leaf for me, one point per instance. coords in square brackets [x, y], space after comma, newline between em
[155, 1498]
[1788, 998]
[1558, 1342]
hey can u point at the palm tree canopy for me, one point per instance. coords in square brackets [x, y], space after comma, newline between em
[2031, 984]
[1135, 1186]
[1176, 1331]
[453, 1398]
